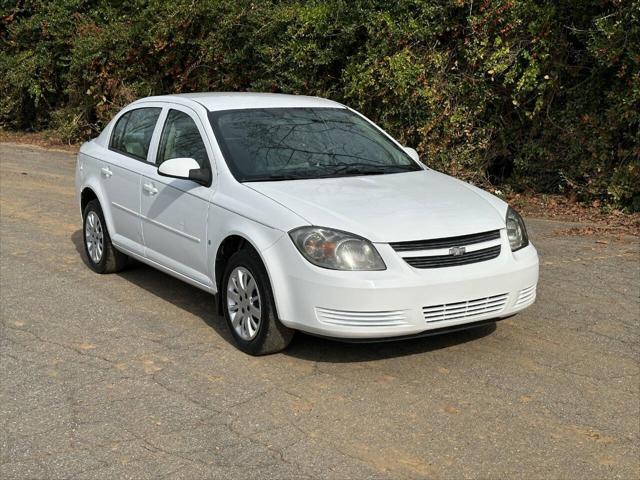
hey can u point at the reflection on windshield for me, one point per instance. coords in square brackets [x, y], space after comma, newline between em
[294, 143]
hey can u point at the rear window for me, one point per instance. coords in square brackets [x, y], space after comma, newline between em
[132, 133]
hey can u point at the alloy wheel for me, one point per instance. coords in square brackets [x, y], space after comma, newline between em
[94, 237]
[243, 303]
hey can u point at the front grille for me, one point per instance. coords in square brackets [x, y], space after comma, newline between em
[469, 309]
[446, 242]
[526, 296]
[346, 318]
[440, 261]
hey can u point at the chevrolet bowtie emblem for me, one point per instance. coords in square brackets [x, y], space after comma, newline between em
[457, 251]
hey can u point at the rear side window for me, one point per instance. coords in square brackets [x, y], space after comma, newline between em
[132, 133]
[180, 139]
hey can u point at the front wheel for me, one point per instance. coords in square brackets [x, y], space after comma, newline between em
[249, 307]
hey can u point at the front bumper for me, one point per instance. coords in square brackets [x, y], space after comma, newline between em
[401, 300]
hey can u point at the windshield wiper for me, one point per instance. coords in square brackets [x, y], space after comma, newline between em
[338, 170]
[290, 175]
[371, 169]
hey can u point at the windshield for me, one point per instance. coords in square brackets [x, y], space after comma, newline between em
[298, 143]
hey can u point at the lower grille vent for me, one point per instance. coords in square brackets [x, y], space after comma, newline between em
[526, 296]
[465, 309]
[345, 318]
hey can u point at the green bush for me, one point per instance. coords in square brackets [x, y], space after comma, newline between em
[528, 95]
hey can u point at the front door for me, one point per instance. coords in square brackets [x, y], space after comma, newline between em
[174, 211]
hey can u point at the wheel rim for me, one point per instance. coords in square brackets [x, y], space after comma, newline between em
[94, 237]
[243, 303]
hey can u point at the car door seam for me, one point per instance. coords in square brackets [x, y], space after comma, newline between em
[279, 203]
[210, 266]
[245, 216]
[144, 243]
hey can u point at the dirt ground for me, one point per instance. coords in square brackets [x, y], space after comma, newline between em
[133, 375]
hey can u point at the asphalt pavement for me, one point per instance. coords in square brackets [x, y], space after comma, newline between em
[133, 375]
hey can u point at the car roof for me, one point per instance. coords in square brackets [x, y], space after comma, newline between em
[215, 101]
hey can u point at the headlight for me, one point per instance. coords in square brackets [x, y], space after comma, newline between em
[516, 231]
[336, 250]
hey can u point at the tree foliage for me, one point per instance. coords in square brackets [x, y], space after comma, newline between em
[528, 94]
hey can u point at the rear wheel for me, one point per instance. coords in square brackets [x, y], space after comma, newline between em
[102, 257]
[249, 307]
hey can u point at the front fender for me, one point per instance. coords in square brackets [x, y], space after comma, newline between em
[223, 223]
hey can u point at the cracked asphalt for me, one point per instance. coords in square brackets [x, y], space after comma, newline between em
[133, 375]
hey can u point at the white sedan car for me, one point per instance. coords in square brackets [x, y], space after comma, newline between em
[300, 214]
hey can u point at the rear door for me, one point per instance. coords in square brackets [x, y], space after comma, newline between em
[174, 211]
[120, 174]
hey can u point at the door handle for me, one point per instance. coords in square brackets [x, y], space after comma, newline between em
[150, 189]
[106, 172]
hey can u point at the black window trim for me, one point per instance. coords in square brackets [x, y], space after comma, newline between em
[127, 154]
[164, 125]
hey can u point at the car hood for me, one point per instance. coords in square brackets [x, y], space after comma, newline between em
[389, 208]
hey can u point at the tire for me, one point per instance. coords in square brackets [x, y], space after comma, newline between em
[95, 233]
[270, 335]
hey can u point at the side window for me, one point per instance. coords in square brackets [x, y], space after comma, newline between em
[132, 133]
[181, 139]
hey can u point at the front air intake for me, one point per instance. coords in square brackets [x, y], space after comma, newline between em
[469, 309]
[440, 261]
[447, 242]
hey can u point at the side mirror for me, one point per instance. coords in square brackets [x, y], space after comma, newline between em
[412, 153]
[185, 168]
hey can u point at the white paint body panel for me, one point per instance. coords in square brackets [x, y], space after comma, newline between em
[388, 208]
[122, 194]
[177, 226]
[174, 225]
[398, 288]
